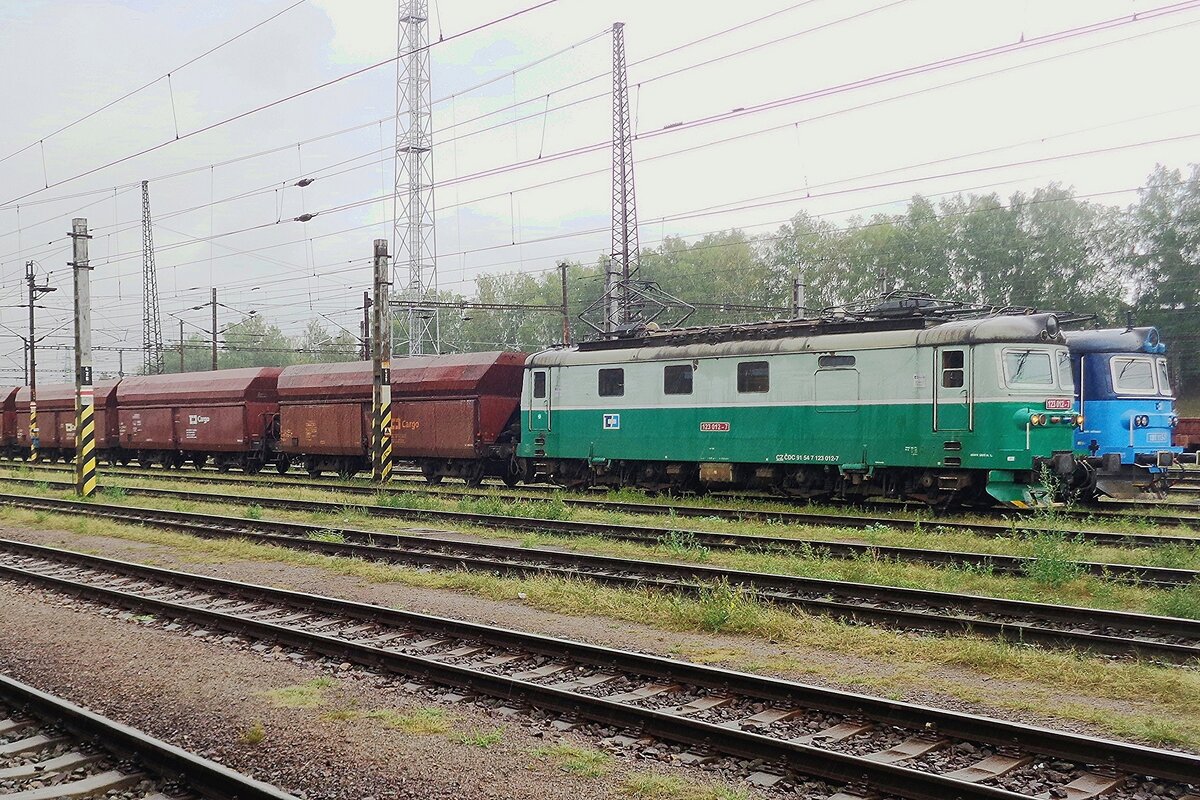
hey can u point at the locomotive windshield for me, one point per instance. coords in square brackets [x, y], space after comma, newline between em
[1028, 368]
[1066, 378]
[1164, 378]
[1133, 376]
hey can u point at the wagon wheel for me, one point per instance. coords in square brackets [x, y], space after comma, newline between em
[313, 469]
[223, 466]
[199, 460]
[252, 467]
[283, 464]
[474, 476]
[431, 474]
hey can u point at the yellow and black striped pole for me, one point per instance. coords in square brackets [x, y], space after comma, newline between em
[34, 439]
[381, 370]
[85, 421]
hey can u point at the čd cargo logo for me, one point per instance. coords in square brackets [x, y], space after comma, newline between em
[1059, 404]
[714, 426]
[198, 419]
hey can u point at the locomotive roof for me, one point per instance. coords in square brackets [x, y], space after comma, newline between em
[1116, 340]
[1021, 329]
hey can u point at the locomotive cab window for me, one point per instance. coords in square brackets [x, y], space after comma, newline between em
[677, 379]
[539, 384]
[1133, 376]
[611, 383]
[1164, 378]
[954, 369]
[1028, 368]
[753, 376]
[1066, 377]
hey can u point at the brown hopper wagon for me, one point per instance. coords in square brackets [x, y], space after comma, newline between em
[227, 415]
[452, 415]
[55, 417]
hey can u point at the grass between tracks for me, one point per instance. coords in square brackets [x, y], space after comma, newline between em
[1052, 577]
[1072, 687]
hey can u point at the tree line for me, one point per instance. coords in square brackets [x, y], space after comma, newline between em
[1047, 248]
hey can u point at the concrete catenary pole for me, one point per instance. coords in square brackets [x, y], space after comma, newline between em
[214, 328]
[85, 422]
[181, 346]
[566, 316]
[381, 362]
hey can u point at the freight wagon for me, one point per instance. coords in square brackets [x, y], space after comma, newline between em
[452, 415]
[1187, 434]
[55, 420]
[229, 416]
[956, 412]
[8, 420]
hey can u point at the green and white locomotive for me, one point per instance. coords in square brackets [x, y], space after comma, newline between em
[965, 411]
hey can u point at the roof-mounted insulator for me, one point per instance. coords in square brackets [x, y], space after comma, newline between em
[304, 182]
[304, 217]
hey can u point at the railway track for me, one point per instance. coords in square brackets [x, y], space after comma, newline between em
[861, 745]
[1161, 577]
[1113, 633]
[52, 750]
[858, 521]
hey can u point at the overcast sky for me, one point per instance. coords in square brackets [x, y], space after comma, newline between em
[999, 93]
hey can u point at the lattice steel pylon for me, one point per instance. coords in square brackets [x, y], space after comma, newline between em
[152, 342]
[414, 234]
[628, 300]
[625, 257]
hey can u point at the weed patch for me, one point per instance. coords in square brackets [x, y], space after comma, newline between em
[254, 735]
[304, 695]
[585, 762]
[478, 738]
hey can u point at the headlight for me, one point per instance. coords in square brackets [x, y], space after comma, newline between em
[1141, 421]
[1052, 326]
[1173, 420]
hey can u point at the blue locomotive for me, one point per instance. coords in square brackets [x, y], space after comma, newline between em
[1123, 391]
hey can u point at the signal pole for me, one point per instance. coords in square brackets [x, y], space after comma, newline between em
[35, 291]
[381, 363]
[85, 423]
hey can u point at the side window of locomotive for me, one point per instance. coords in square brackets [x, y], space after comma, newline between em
[612, 383]
[1164, 378]
[1133, 376]
[1028, 368]
[953, 369]
[539, 384]
[677, 379]
[832, 362]
[753, 376]
[1066, 378]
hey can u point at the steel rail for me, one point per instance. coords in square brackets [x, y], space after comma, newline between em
[424, 661]
[1117, 633]
[206, 778]
[1017, 523]
[1012, 565]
